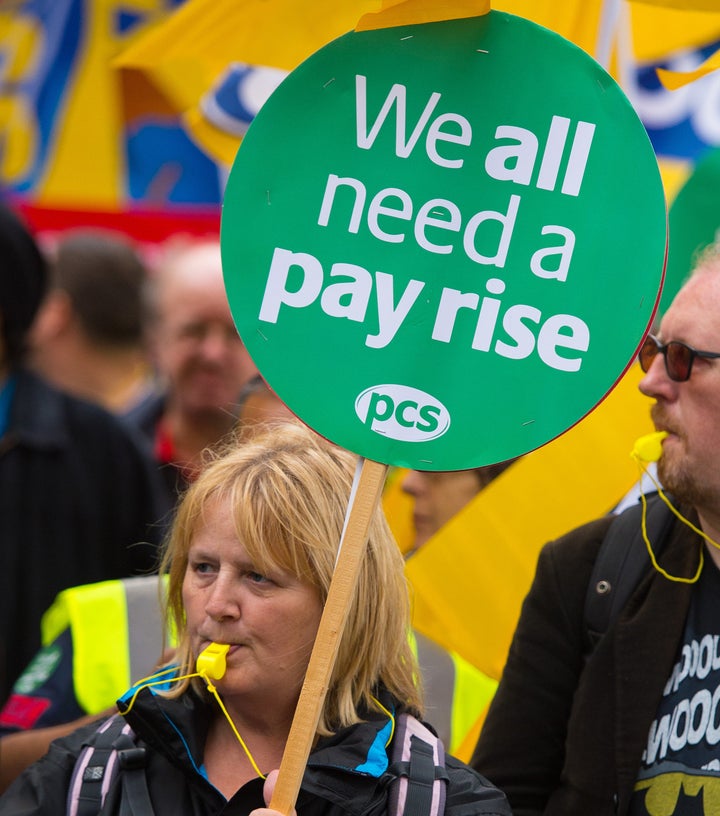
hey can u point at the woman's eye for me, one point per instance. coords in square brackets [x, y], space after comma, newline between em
[257, 578]
[202, 567]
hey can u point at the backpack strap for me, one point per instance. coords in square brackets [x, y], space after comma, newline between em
[132, 760]
[418, 762]
[621, 563]
[110, 750]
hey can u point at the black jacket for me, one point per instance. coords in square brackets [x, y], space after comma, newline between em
[346, 774]
[78, 497]
[566, 737]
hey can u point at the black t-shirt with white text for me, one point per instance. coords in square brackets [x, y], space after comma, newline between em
[680, 769]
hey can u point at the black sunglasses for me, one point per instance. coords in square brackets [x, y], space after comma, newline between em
[678, 356]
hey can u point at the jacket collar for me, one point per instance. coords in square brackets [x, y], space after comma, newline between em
[360, 748]
[355, 757]
[350, 768]
[176, 728]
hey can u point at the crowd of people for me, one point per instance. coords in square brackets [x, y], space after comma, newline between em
[169, 532]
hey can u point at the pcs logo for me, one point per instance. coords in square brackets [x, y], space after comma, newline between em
[402, 412]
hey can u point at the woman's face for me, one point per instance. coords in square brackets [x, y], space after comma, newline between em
[268, 620]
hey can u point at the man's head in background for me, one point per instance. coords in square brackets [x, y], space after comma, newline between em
[199, 355]
[89, 336]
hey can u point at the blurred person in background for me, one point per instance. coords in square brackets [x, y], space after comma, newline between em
[79, 496]
[88, 337]
[440, 495]
[200, 360]
[259, 407]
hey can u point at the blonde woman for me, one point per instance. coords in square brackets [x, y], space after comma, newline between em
[250, 559]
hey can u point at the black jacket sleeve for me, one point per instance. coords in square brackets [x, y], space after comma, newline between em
[522, 744]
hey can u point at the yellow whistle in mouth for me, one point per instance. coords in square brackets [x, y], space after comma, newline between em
[649, 448]
[211, 661]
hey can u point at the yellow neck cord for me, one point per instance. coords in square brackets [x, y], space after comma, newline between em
[163, 675]
[150, 681]
[676, 512]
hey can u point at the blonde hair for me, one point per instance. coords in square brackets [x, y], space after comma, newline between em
[289, 491]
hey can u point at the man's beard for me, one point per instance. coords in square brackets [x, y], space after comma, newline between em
[676, 480]
[673, 472]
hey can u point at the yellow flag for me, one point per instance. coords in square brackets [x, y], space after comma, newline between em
[662, 29]
[673, 80]
[577, 20]
[411, 12]
[469, 580]
[685, 5]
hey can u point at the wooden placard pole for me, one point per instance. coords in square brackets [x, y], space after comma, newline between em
[332, 624]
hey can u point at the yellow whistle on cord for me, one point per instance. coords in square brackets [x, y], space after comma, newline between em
[649, 448]
[211, 661]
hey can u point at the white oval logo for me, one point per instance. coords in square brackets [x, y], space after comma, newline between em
[402, 412]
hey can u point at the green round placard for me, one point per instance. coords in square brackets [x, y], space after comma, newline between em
[443, 243]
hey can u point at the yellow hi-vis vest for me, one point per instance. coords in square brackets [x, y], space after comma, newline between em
[107, 660]
[457, 695]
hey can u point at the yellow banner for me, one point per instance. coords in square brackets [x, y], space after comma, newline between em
[659, 30]
[412, 12]
[470, 579]
[684, 5]
[71, 137]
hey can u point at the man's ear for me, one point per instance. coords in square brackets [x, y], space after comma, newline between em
[53, 318]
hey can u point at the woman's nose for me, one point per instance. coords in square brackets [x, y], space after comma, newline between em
[221, 602]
